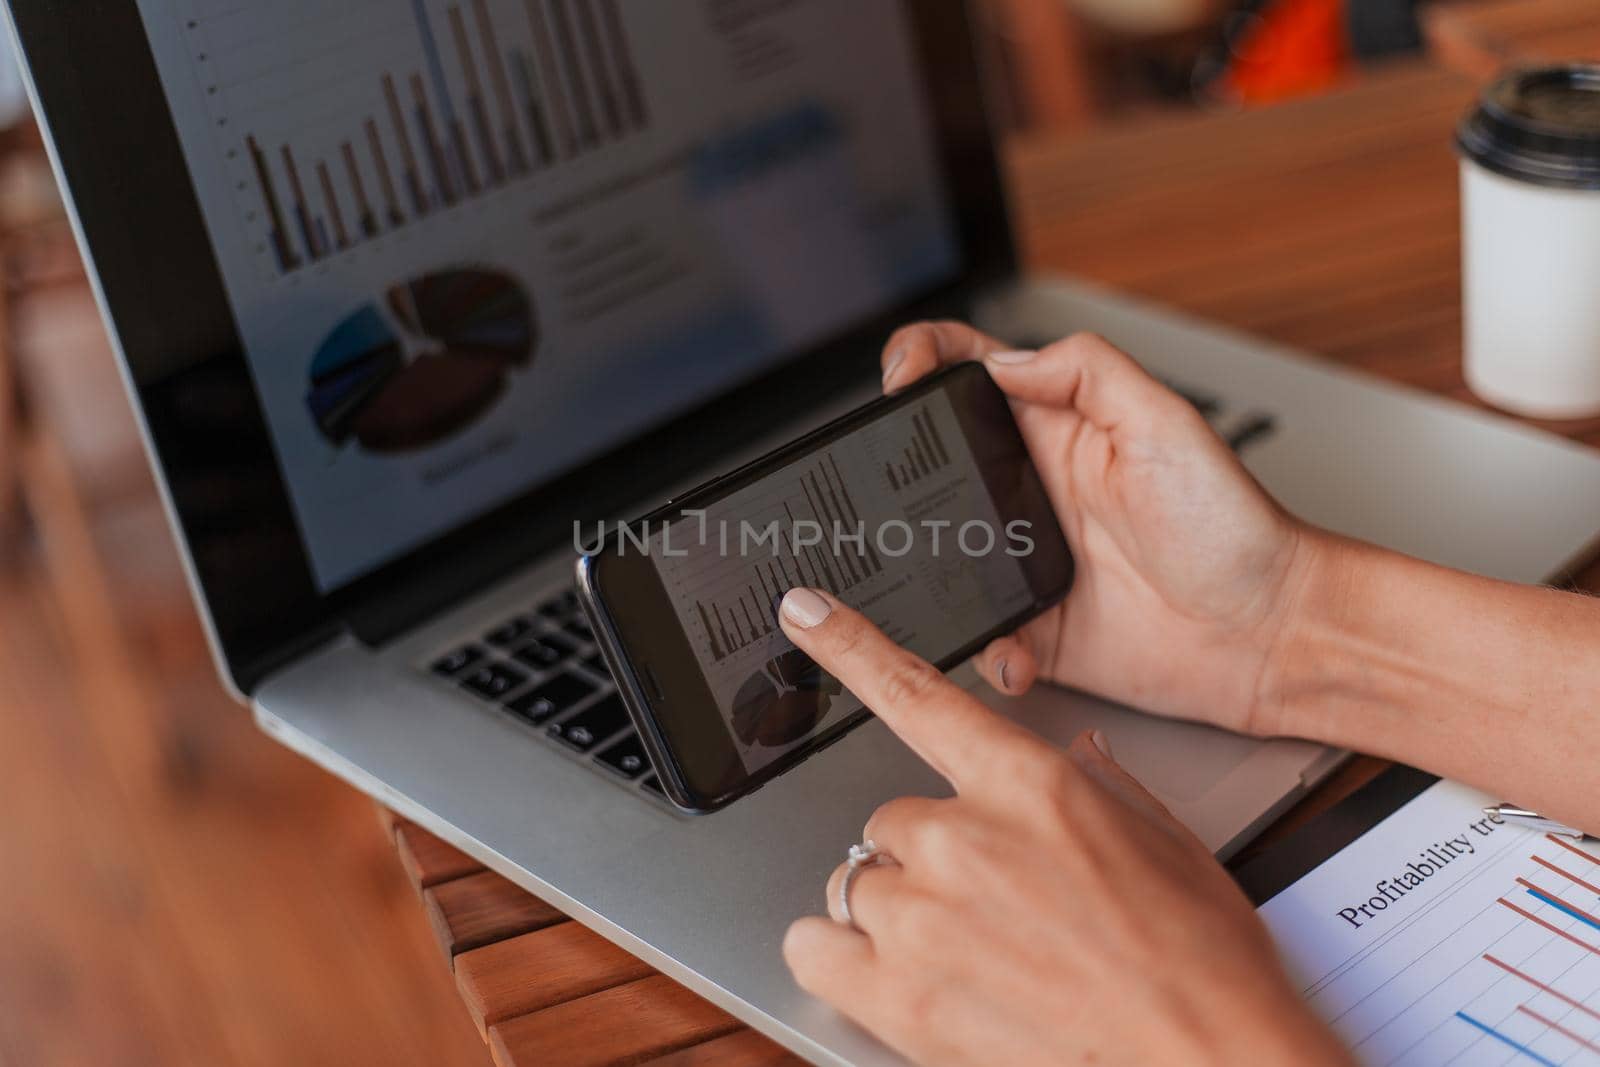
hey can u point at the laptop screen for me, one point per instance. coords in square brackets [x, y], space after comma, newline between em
[470, 245]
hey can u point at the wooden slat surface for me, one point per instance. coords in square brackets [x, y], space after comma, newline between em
[1330, 224]
[427, 860]
[544, 990]
[742, 1048]
[481, 909]
[540, 970]
[625, 1024]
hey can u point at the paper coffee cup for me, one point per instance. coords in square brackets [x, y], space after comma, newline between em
[1530, 202]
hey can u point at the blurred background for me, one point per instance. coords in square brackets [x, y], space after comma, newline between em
[178, 889]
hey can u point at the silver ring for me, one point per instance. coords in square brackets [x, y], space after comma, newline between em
[867, 854]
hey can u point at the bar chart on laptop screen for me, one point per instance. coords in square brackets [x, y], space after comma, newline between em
[1501, 965]
[438, 103]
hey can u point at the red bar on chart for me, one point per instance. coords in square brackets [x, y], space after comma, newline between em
[277, 235]
[302, 210]
[577, 84]
[408, 157]
[550, 73]
[517, 156]
[590, 32]
[341, 236]
[380, 161]
[365, 218]
[477, 109]
[627, 73]
[444, 186]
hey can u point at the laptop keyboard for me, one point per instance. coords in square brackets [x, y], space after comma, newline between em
[1239, 430]
[541, 667]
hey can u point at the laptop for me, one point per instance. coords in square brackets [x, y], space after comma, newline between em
[403, 291]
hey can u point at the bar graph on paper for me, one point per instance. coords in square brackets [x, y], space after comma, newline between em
[1502, 966]
[453, 101]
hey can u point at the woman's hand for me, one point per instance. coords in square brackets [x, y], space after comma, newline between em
[1188, 572]
[1052, 912]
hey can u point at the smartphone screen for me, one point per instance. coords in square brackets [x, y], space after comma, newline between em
[922, 511]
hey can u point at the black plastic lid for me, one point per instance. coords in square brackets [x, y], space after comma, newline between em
[1540, 125]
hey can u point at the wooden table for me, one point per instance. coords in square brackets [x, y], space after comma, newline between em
[1482, 38]
[1329, 224]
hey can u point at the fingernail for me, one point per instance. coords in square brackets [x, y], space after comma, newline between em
[1004, 670]
[896, 358]
[1103, 743]
[1011, 357]
[805, 608]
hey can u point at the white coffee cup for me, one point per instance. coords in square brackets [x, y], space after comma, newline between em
[1530, 202]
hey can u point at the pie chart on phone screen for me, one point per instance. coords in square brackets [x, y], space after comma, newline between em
[437, 362]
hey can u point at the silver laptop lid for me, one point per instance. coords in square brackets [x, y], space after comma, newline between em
[405, 286]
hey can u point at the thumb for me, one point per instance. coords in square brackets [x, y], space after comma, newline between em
[1089, 375]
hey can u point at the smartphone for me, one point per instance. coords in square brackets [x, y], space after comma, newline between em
[922, 510]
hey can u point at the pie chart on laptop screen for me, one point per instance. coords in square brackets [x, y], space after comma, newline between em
[436, 363]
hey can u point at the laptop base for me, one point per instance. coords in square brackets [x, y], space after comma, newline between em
[707, 899]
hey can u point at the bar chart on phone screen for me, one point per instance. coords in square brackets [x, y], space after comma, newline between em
[436, 104]
[1446, 937]
[787, 541]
